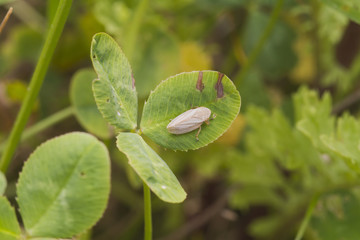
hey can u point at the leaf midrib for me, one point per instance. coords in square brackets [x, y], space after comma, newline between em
[62, 186]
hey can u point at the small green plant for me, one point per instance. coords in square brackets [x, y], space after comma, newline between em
[116, 97]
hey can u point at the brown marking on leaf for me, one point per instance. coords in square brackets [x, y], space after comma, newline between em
[199, 83]
[133, 81]
[219, 87]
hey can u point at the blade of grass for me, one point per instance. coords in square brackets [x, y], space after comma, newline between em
[36, 81]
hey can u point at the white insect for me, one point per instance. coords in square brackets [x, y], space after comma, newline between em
[189, 121]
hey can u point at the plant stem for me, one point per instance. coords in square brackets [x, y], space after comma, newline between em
[48, 122]
[261, 42]
[134, 27]
[6, 18]
[43, 124]
[147, 213]
[307, 217]
[37, 79]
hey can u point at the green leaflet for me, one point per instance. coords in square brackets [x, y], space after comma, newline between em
[182, 92]
[9, 226]
[84, 104]
[272, 135]
[315, 122]
[151, 168]
[346, 141]
[64, 186]
[313, 115]
[114, 90]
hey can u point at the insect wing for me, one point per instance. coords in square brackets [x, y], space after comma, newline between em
[184, 127]
[201, 114]
[189, 120]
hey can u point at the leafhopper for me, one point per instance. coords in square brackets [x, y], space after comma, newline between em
[189, 121]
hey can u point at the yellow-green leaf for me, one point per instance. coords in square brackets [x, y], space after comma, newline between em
[114, 90]
[150, 167]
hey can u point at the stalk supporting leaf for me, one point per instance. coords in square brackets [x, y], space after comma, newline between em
[147, 213]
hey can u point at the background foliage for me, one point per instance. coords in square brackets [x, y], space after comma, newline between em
[295, 140]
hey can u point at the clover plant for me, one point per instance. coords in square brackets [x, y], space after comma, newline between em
[116, 98]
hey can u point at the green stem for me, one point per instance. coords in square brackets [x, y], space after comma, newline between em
[43, 124]
[48, 122]
[134, 28]
[261, 42]
[307, 217]
[147, 213]
[47, 52]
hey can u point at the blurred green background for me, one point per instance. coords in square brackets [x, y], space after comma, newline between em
[257, 180]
